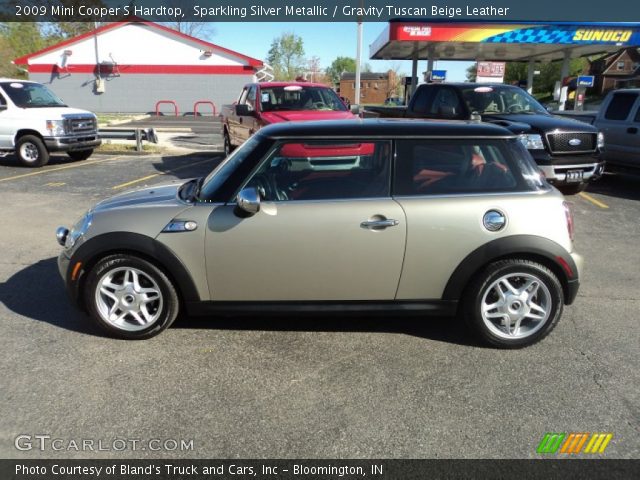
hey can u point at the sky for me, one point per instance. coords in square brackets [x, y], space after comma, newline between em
[324, 40]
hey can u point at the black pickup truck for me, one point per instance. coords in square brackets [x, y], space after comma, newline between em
[566, 150]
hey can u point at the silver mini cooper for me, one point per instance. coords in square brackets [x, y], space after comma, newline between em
[429, 218]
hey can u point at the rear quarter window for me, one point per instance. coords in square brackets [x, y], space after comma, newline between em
[441, 167]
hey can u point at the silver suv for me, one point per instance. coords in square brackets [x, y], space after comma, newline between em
[429, 218]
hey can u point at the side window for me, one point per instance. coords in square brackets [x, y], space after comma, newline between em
[421, 102]
[323, 171]
[446, 104]
[243, 96]
[637, 119]
[620, 106]
[251, 97]
[3, 101]
[430, 167]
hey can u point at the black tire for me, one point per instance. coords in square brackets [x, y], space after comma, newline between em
[228, 147]
[115, 265]
[482, 284]
[80, 154]
[573, 189]
[31, 151]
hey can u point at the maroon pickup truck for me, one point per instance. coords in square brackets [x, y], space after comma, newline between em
[264, 103]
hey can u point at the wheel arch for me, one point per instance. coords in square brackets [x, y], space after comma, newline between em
[26, 131]
[526, 247]
[127, 243]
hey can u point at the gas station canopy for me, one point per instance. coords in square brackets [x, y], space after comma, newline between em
[416, 39]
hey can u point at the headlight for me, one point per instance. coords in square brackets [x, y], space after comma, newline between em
[531, 141]
[78, 230]
[600, 140]
[55, 128]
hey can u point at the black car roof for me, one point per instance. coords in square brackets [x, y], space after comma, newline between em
[384, 128]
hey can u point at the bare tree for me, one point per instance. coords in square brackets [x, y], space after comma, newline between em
[201, 30]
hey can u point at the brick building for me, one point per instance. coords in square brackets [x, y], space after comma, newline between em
[617, 70]
[374, 87]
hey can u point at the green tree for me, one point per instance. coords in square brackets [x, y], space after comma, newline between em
[472, 72]
[286, 56]
[339, 66]
[17, 39]
[544, 83]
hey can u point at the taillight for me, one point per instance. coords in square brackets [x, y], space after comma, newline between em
[569, 215]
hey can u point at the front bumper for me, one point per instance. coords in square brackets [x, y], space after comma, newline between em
[557, 174]
[555, 168]
[71, 143]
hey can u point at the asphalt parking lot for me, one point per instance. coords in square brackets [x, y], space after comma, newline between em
[305, 387]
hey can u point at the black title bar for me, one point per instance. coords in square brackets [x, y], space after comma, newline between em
[317, 10]
[158, 469]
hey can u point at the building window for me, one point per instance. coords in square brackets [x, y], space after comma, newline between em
[620, 66]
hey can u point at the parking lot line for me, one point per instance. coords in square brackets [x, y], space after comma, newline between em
[589, 198]
[168, 172]
[65, 167]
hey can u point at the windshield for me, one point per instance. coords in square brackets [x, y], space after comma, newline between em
[487, 100]
[223, 171]
[31, 95]
[298, 97]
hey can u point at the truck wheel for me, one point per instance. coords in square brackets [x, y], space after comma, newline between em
[513, 303]
[130, 297]
[80, 154]
[228, 148]
[31, 151]
[572, 189]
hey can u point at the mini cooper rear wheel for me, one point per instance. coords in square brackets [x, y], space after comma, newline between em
[513, 303]
[130, 297]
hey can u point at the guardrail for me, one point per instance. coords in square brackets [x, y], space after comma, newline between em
[137, 134]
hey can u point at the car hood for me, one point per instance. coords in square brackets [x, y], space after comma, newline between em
[49, 113]
[156, 196]
[524, 123]
[304, 115]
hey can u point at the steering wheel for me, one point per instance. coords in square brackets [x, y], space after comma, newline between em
[515, 108]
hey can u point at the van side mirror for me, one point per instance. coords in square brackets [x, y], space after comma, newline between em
[248, 200]
[3, 107]
[355, 109]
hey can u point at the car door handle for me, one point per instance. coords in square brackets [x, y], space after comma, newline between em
[632, 130]
[379, 224]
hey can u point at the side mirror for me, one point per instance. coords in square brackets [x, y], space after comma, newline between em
[249, 200]
[355, 109]
[548, 108]
[242, 110]
[3, 107]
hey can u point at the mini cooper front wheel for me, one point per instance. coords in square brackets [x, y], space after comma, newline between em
[130, 297]
[513, 303]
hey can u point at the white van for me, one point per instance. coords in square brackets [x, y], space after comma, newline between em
[34, 122]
